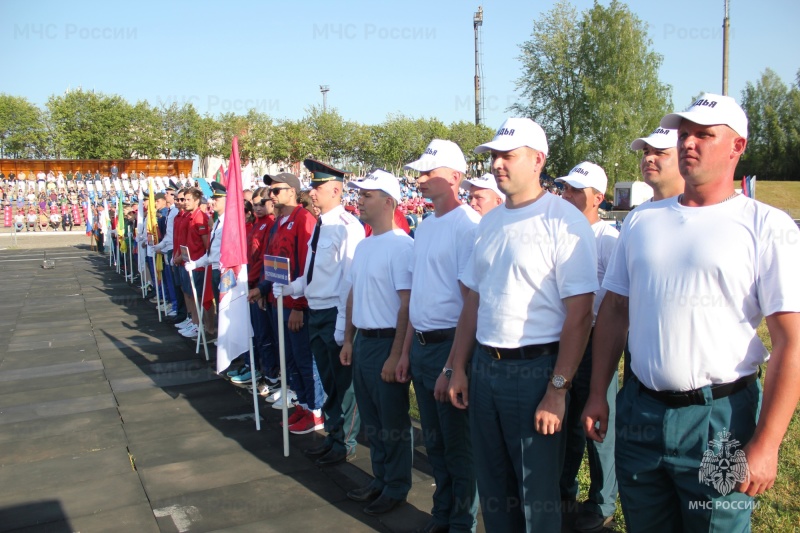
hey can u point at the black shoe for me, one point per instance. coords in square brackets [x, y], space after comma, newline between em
[433, 527]
[334, 457]
[318, 451]
[590, 522]
[382, 505]
[364, 494]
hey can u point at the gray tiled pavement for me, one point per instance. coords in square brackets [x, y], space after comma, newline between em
[110, 422]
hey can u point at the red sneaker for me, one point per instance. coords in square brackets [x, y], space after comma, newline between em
[310, 422]
[296, 416]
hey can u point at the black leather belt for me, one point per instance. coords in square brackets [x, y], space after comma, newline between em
[434, 336]
[532, 351]
[696, 397]
[384, 333]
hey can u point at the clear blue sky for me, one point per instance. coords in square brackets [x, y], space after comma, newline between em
[409, 57]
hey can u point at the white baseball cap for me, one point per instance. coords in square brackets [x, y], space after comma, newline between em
[660, 139]
[586, 174]
[514, 133]
[486, 181]
[438, 154]
[711, 110]
[379, 180]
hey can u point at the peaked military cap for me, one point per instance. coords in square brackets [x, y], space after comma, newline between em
[322, 172]
[218, 190]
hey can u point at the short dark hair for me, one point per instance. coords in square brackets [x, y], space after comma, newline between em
[194, 192]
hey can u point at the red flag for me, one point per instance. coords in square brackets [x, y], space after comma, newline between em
[235, 330]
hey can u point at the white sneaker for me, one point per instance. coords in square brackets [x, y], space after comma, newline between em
[189, 326]
[279, 403]
[172, 312]
[190, 332]
[181, 325]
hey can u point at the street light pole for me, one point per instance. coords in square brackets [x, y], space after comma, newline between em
[324, 90]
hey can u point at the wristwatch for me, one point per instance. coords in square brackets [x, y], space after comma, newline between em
[559, 382]
[447, 372]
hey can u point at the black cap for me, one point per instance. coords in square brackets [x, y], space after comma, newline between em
[322, 172]
[267, 179]
[218, 190]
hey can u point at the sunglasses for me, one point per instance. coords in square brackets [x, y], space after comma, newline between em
[275, 191]
[180, 199]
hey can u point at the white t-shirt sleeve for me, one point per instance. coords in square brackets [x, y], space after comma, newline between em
[617, 278]
[576, 248]
[777, 284]
[401, 267]
[466, 242]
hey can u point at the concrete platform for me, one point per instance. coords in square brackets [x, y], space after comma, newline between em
[110, 422]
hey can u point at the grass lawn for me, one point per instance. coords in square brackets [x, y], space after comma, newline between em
[781, 194]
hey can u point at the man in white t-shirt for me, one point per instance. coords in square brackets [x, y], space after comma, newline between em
[532, 277]
[484, 195]
[585, 187]
[442, 246]
[377, 318]
[659, 163]
[693, 276]
[659, 167]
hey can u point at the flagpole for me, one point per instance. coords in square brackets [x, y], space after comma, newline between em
[284, 394]
[200, 315]
[163, 292]
[155, 286]
[125, 264]
[255, 397]
[130, 252]
[200, 329]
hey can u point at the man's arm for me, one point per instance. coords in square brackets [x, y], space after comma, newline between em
[402, 373]
[440, 390]
[461, 352]
[572, 344]
[781, 394]
[395, 356]
[346, 355]
[608, 343]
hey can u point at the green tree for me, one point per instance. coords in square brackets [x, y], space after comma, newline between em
[591, 81]
[773, 112]
[292, 142]
[468, 135]
[624, 97]
[22, 129]
[144, 131]
[91, 125]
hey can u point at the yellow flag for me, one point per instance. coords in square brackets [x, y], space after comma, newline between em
[152, 224]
